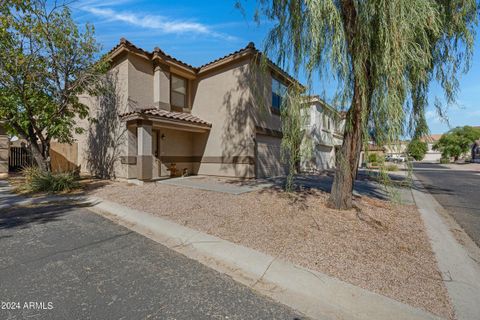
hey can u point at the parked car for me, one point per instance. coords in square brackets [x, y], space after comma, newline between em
[395, 158]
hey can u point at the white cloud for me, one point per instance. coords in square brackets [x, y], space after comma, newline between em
[159, 23]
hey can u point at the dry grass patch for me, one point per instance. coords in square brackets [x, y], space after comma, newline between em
[85, 184]
[379, 246]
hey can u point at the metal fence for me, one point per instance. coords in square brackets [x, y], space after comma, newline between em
[19, 157]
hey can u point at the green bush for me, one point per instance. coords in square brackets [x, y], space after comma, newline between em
[391, 167]
[41, 181]
[444, 160]
[417, 149]
[30, 173]
[372, 157]
[375, 159]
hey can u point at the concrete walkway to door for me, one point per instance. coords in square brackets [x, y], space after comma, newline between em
[218, 184]
[363, 186]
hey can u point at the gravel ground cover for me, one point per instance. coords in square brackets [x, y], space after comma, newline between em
[379, 246]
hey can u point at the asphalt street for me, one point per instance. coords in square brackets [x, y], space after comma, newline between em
[458, 191]
[65, 262]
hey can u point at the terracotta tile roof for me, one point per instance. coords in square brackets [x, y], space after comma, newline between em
[156, 50]
[373, 147]
[249, 48]
[431, 137]
[160, 113]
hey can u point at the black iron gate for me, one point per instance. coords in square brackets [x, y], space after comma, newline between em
[20, 157]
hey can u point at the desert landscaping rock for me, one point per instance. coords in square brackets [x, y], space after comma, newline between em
[381, 247]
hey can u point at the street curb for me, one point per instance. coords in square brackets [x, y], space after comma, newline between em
[312, 293]
[461, 275]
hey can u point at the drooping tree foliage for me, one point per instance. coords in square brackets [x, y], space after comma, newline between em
[457, 142]
[45, 63]
[383, 54]
[295, 144]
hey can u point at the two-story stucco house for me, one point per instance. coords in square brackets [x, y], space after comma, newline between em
[431, 155]
[221, 118]
[324, 127]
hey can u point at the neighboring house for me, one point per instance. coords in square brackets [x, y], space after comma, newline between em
[432, 155]
[476, 151]
[222, 118]
[397, 149]
[370, 148]
[324, 128]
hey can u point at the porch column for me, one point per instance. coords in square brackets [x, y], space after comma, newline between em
[144, 150]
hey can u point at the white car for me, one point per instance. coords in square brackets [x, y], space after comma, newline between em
[397, 158]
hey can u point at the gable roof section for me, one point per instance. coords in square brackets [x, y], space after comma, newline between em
[250, 49]
[317, 99]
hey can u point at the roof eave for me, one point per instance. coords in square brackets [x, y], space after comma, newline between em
[142, 116]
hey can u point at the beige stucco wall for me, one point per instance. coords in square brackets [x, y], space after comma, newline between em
[231, 99]
[120, 72]
[140, 82]
[224, 99]
[261, 91]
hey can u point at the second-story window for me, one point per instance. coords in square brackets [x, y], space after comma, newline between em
[178, 92]
[278, 92]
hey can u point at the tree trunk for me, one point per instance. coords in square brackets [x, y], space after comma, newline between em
[341, 195]
[347, 159]
[41, 154]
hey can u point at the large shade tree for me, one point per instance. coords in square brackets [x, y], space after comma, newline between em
[457, 142]
[383, 54]
[45, 63]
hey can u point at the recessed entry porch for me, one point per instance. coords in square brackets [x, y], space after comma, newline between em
[163, 143]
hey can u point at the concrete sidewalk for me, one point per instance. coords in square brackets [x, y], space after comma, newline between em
[460, 272]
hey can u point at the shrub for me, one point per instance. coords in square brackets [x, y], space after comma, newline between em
[372, 157]
[417, 149]
[41, 181]
[444, 160]
[391, 167]
[30, 173]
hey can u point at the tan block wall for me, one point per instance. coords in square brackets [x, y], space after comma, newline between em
[4, 151]
[63, 156]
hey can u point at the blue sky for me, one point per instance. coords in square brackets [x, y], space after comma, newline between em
[197, 32]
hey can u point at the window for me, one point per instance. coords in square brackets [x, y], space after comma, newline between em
[278, 92]
[178, 91]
